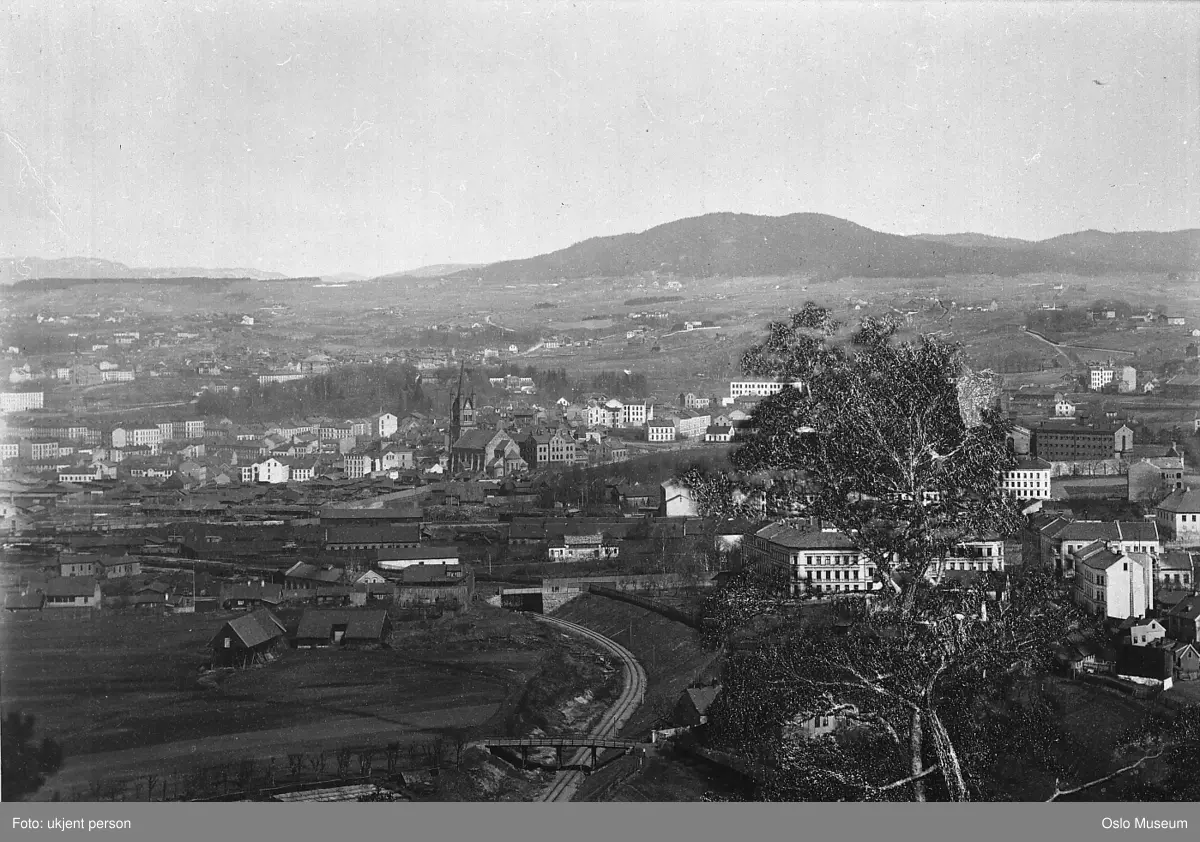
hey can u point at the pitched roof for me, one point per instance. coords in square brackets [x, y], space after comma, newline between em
[787, 536]
[1096, 530]
[315, 573]
[1097, 556]
[71, 586]
[1182, 500]
[1187, 608]
[475, 439]
[361, 624]
[403, 533]
[416, 553]
[268, 592]
[253, 629]
[416, 574]
[702, 697]
[33, 599]
[1176, 560]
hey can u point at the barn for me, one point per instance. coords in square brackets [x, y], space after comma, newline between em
[342, 627]
[247, 640]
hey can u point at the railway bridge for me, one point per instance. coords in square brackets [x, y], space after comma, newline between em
[559, 744]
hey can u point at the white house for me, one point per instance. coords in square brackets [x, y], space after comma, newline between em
[581, 547]
[386, 425]
[271, 470]
[660, 431]
[676, 501]
[1146, 634]
[1028, 480]
[1178, 516]
[1111, 583]
[817, 561]
[758, 388]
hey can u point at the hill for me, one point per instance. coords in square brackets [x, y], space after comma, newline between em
[817, 246]
[15, 269]
[970, 240]
[434, 270]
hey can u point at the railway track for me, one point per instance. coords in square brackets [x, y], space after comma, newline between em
[565, 783]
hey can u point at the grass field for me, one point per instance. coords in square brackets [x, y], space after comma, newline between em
[120, 692]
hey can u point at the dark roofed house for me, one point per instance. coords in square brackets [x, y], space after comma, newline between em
[304, 576]
[1155, 663]
[247, 640]
[396, 559]
[251, 595]
[430, 574]
[1187, 661]
[692, 707]
[342, 627]
[73, 592]
[374, 592]
[28, 601]
[1183, 619]
[347, 538]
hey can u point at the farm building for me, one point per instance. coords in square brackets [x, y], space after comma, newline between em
[247, 640]
[302, 576]
[397, 559]
[251, 595]
[373, 592]
[342, 627]
[73, 592]
[31, 601]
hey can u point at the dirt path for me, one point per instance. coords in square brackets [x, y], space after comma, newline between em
[277, 742]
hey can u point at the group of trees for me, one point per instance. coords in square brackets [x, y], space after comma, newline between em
[344, 392]
[875, 445]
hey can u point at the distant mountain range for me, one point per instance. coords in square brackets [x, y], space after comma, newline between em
[434, 270]
[15, 269]
[819, 246]
[742, 245]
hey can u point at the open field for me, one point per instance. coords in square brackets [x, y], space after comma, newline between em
[120, 692]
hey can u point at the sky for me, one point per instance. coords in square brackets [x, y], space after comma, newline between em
[370, 137]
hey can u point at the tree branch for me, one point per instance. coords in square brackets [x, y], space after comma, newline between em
[910, 778]
[1059, 792]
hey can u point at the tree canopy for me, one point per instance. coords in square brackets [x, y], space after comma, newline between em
[894, 444]
[876, 442]
[26, 763]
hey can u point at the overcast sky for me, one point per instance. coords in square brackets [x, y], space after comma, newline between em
[309, 137]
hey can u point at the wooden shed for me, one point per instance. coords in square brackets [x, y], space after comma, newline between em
[342, 627]
[247, 640]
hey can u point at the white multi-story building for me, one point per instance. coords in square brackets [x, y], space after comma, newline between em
[691, 425]
[1029, 480]
[986, 556]
[635, 414]
[21, 401]
[118, 375]
[758, 388]
[820, 561]
[1112, 583]
[271, 470]
[1178, 516]
[146, 435]
[386, 425]
[660, 431]
[1125, 377]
